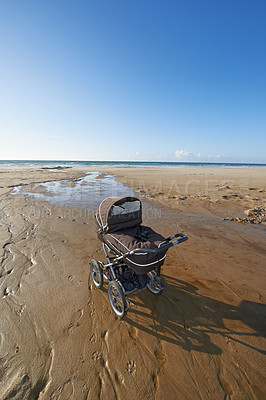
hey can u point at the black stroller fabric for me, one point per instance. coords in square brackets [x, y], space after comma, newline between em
[116, 213]
[119, 226]
[130, 280]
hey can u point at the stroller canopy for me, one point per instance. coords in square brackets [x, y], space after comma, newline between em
[116, 213]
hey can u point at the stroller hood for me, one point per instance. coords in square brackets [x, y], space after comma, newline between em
[116, 213]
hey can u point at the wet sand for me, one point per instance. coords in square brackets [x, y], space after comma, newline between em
[203, 338]
[237, 193]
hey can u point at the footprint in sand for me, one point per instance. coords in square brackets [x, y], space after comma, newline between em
[93, 338]
[131, 367]
[6, 293]
[74, 323]
[96, 355]
[104, 335]
[133, 332]
[21, 309]
[161, 358]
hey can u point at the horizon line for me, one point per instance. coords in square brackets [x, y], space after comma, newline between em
[137, 161]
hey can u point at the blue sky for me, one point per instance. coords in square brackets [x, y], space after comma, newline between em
[133, 80]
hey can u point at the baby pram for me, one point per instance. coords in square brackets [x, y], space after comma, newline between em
[137, 252]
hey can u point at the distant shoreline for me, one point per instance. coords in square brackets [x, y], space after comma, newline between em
[62, 163]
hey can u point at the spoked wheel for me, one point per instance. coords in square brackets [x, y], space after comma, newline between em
[117, 299]
[96, 273]
[156, 284]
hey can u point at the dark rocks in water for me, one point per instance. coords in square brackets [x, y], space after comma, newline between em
[59, 167]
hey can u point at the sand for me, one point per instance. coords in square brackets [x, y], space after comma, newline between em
[203, 338]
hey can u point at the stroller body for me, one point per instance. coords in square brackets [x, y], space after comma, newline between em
[134, 253]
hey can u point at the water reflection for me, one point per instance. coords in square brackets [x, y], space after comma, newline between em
[86, 192]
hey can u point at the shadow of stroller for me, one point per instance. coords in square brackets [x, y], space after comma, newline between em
[186, 318]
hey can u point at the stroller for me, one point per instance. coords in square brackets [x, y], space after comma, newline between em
[134, 253]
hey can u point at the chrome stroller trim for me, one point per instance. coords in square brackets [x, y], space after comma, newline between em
[134, 252]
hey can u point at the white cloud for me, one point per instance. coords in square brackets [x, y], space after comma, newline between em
[182, 153]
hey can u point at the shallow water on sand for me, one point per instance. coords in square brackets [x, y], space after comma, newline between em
[85, 192]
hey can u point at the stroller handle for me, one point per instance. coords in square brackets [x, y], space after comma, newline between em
[164, 246]
[180, 235]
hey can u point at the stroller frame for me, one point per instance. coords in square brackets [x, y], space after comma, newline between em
[116, 291]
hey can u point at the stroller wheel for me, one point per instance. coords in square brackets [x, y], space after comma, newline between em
[96, 273]
[117, 299]
[156, 284]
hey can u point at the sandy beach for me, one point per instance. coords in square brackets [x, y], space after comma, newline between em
[203, 338]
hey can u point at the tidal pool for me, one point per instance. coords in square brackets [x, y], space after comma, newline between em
[86, 192]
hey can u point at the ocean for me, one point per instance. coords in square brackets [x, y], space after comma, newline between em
[56, 163]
